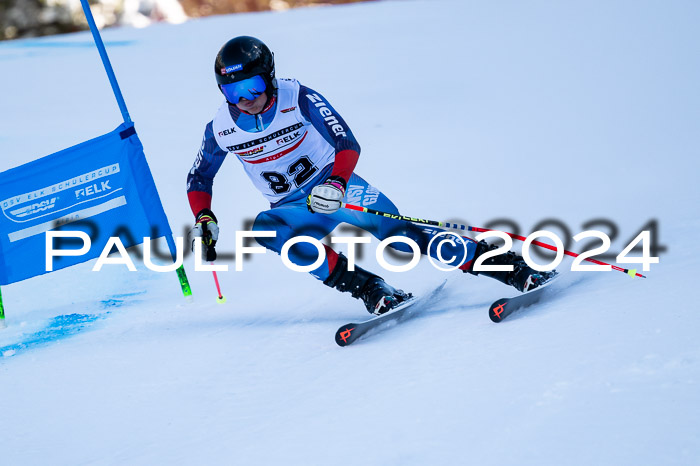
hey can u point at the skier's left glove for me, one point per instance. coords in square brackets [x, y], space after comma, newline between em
[206, 230]
[327, 198]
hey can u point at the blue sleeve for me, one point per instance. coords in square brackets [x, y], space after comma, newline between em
[208, 162]
[327, 121]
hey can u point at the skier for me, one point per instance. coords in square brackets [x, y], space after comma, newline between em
[301, 154]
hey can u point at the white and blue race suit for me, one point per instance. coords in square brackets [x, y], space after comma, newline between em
[286, 150]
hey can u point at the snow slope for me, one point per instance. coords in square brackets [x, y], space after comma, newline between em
[465, 110]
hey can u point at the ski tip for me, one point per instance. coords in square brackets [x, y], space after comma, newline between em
[497, 310]
[343, 336]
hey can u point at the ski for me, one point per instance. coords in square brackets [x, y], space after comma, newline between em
[351, 332]
[504, 307]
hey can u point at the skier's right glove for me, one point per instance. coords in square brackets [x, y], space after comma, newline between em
[327, 198]
[206, 230]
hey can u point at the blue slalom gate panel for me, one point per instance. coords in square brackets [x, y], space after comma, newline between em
[102, 187]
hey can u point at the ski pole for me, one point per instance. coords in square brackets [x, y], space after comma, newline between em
[457, 226]
[221, 299]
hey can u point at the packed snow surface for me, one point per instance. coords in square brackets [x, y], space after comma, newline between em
[468, 111]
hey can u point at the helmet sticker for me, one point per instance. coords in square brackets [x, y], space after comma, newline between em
[231, 69]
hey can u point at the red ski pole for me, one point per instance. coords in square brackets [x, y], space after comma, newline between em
[457, 226]
[221, 299]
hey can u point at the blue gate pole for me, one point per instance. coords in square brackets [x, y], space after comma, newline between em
[105, 61]
[184, 283]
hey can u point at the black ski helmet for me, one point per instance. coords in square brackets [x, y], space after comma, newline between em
[244, 57]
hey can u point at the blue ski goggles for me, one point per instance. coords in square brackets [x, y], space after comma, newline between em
[247, 89]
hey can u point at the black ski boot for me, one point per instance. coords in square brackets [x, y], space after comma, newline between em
[378, 296]
[522, 277]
